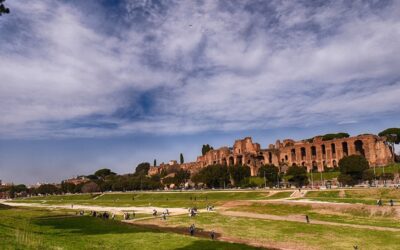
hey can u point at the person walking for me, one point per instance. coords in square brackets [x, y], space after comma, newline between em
[212, 235]
[391, 202]
[191, 230]
[307, 219]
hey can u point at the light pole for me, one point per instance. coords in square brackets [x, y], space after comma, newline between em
[322, 183]
[312, 179]
[265, 181]
[277, 178]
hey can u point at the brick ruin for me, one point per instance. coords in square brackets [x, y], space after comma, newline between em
[314, 153]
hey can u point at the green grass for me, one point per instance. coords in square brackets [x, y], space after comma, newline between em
[292, 234]
[274, 209]
[361, 196]
[159, 199]
[359, 216]
[280, 195]
[325, 175]
[393, 168]
[22, 228]
[322, 194]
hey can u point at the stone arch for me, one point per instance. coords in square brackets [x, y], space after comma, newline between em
[314, 166]
[303, 153]
[334, 163]
[293, 154]
[239, 160]
[323, 150]
[313, 151]
[303, 164]
[345, 149]
[223, 161]
[333, 149]
[231, 161]
[358, 144]
[286, 158]
[269, 157]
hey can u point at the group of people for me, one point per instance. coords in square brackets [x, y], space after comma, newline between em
[127, 216]
[192, 230]
[103, 215]
[380, 203]
[164, 214]
[192, 211]
[210, 208]
[81, 213]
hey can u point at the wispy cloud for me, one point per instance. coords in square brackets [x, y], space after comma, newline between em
[184, 66]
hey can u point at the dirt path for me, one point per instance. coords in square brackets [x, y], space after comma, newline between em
[98, 196]
[298, 218]
[116, 210]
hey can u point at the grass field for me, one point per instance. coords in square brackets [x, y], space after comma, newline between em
[172, 199]
[246, 217]
[283, 234]
[360, 215]
[22, 228]
[362, 196]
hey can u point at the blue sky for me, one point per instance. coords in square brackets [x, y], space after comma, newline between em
[90, 84]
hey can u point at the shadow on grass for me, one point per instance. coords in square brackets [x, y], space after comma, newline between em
[85, 225]
[207, 244]
[4, 207]
[202, 235]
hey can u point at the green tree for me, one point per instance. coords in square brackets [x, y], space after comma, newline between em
[297, 175]
[181, 159]
[238, 174]
[368, 175]
[102, 173]
[3, 8]
[48, 189]
[142, 168]
[181, 177]
[352, 169]
[328, 137]
[90, 187]
[205, 149]
[214, 176]
[271, 174]
[392, 136]
[67, 187]
[155, 163]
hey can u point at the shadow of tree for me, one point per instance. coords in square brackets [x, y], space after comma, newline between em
[86, 225]
[4, 207]
[202, 243]
[211, 245]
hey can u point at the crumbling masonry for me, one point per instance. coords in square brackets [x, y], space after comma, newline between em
[314, 154]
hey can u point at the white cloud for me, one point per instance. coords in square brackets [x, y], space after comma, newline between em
[209, 65]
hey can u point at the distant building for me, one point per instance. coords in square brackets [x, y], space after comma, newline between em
[78, 180]
[315, 153]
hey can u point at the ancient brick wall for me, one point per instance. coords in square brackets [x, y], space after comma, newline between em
[314, 153]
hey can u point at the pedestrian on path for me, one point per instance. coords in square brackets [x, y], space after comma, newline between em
[212, 235]
[307, 219]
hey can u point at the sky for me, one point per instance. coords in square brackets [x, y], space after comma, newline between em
[92, 84]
